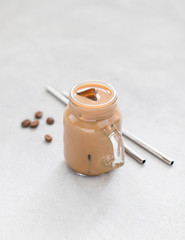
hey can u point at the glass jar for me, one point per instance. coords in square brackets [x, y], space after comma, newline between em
[93, 142]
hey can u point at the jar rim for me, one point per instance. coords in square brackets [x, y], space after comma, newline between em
[102, 105]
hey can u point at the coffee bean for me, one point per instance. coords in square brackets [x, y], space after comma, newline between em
[34, 124]
[50, 120]
[48, 138]
[38, 114]
[25, 123]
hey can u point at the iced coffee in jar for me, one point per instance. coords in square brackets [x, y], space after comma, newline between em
[93, 142]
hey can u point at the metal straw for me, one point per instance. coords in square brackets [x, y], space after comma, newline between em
[134, 155]
[63, 97]
[147, 147]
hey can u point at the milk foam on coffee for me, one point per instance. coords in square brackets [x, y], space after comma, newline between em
[92, 124]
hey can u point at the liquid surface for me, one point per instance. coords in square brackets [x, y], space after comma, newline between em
[102, 94]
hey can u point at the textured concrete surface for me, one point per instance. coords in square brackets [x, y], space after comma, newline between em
[139, 47]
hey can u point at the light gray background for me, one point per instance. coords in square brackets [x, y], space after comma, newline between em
[139, 47]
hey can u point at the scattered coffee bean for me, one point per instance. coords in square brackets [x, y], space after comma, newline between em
[34, 124]
[38, 114]
[50, 120]
[25, 123]
[48, 138]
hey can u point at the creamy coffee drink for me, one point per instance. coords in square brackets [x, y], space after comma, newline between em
[92, 124]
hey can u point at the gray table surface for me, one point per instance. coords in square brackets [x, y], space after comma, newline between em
[139, 47]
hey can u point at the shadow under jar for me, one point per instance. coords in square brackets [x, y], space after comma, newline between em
[93, 142]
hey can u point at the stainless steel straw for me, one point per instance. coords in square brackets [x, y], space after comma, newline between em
[147, 147]
[63, 97]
